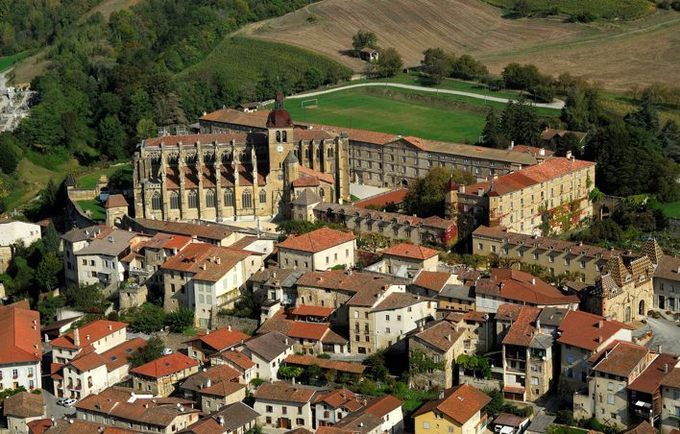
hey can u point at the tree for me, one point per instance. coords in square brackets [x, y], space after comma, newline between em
[647, 116]
[151, 351]
[147, 318]
[145, 128]
[87, 298]
[363, 39]
[288, 372]
[389, 63]
[520, 124]
[48, 272]
[51, 239]
[48, 308]
[467, 67]
[9, 153]
[427, 195]
[112, 137]
[492, 136]
[436, 64]
[180, 319]
[521, 8]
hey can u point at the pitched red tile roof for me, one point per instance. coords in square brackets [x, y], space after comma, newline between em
[24, 405]
[533, 150]
[412, 251]
[339, 398]
[432, 280]
[188, 139]
[306, 181]
[317, 241]
[520, 286]
[459, 403]
[621, 359]
[252, 119]
[508, 312]
[321, 176]
[672, 379]
[309, 310]
[283, 392]
[306, 360]
[165, 365]
[19, 335]
[522, 331]
[113, 358]
[222, 339]
[586, 330]
[383, 405]
[89, 333]
[205, 261]
[237, 358]
[381, 200]
[650, 379]
[167, 241]
[442, 335]
[115, 201]
[308, 330]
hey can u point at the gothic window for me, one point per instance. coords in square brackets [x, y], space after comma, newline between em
[285, 136]
[247, 199]
[210, 199]
[263, 196]
[318, 153]
[174, 200]
[330, 152]
[322, 193]
[278, 137]
[156, 202]
[192, 197]
[228, 198]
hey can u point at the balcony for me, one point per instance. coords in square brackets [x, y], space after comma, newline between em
[642, 409]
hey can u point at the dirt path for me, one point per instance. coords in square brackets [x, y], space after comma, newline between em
[557, 105]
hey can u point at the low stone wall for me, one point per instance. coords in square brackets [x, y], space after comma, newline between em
[77, 194]
[246, 325]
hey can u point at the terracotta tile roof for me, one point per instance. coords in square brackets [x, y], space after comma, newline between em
[460, 403]
[211, 375]
[532, 175]
[508, 419]
[213, 232]
[19, 335]
[650, 379]
[166, 241]
[442, 335]
[381, 200]
[475, 316]
[165, 365]
[306, 360]
[113, 358]
[642, 428]
[306, 181]
[622, 359]
[283, 392]
[317, 241]
[309, 310]
[325, 177]
[24, 405]
[190, 139]
[228, 419]
[205, 261]
[432, 280]
[73, 426]
[384, 217]
[230, 116]
[89, 333]
[120, 403]
[586, 330]
[237, 358]
[339, 398]
[115, 201]
[221, 339]
[383, 405]
[223, 388]
[472, 151]
[522, 331]
[411, 251]
[672, 379]
[550, 133]
[308, 330]
[668, 268]
[400, 300]
[508, 312]
[519, 286]
[536, 152]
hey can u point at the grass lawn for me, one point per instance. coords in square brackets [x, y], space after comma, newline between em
[451, 84]
[608, 9]
[670, 209]
[93, 208]
[442, 117]
[7, 61]
[89, 179]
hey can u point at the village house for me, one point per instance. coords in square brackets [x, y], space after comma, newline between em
[21, 409]
[645, 392]
[457, 411]
[121, 408]
[284, 406]
[380, 415]
[433, 353]
[275, 284]
[73, 426]
[207, 278]
[352, 370]
[506, 285]
[236, 418]
[215, 387]
[551, 196]
[406, 260]
[582, 335]
[159, 377]
[204, 232]
[99, 337]
[670, 400]
[268, 351]
[432, 283]
[614, 368]
[667, 284]
[331, 406]
[12, 233]
[321, 250]
[210, 343]
[238, 361]
[527, 358]
[20, 347]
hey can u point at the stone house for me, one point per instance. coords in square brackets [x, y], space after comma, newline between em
[13, 232]
[284, 406]
[22, 408]
[268, 351]
[211, 343]
[215, 387]
[318, 250]
[236, 360]
[237, 418]
[407, 260]
[670, 395]
[159, 377]
[458, 411]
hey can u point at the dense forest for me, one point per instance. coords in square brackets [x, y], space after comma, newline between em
[112, 83]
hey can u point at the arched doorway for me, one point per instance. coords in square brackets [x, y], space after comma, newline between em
[641, 309]
[404, 183]
[627, 316]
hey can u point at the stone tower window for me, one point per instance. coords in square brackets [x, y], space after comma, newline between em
[263, 196]
[210, 199]
[247, 199]
[229, 198]
[156, 202]
[192, 197]
[285, 136]
[174, 200]
[278, 137]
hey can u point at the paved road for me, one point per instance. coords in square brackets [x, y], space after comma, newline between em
[666, 334]
[54, 410]
[557, 105]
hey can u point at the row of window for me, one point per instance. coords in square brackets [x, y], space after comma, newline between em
[210, 199]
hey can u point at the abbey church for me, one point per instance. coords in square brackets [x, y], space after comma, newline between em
[239, 174]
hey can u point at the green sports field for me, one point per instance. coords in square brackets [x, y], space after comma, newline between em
[448, 118]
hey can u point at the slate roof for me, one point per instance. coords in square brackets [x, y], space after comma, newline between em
[270, 345]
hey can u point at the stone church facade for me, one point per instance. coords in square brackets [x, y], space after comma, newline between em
[238, 175]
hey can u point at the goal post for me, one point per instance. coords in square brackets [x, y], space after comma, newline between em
[308, 103]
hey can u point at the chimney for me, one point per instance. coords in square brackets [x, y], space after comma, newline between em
[110, 327]
[228, 328]
[538, 324]
[600, 324]
[512, 145]
[286, 341]
[448, 337]
[220, 420]
[208, 383]
[665, 368]
[570, 156]
[461, 189]
[480, 192]
[76, 337]
[541, 152]
[533, 280]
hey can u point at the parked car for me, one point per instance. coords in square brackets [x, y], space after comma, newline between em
[61, 401]
[167, 351]
[69, 402]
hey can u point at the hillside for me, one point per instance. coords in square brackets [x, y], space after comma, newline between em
[617, 54]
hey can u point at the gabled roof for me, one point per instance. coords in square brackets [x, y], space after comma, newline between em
[399, 300]
[308, 330]
[307, 197]
[622, 359]
[410, 251]
[116, 201]
[89, 333]
[228, 419]
[524, 332]
[283, 392]
[395, 196]
[650, 379]
[113, 358]
[317, 241]
[442, 335]
[315, 311]
[210, 376]
[206, 261]
[459, 404]
[24, 405]
[672, 379]
[165, 365]
[643, 427]
[221, 339]
[269, 346]
[208, 231]
[586, 330]
[237, 358]
[19, 335]
[522, 287]
[432, 280]
[307, 360]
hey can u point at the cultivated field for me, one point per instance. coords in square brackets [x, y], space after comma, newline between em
[617, 54]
